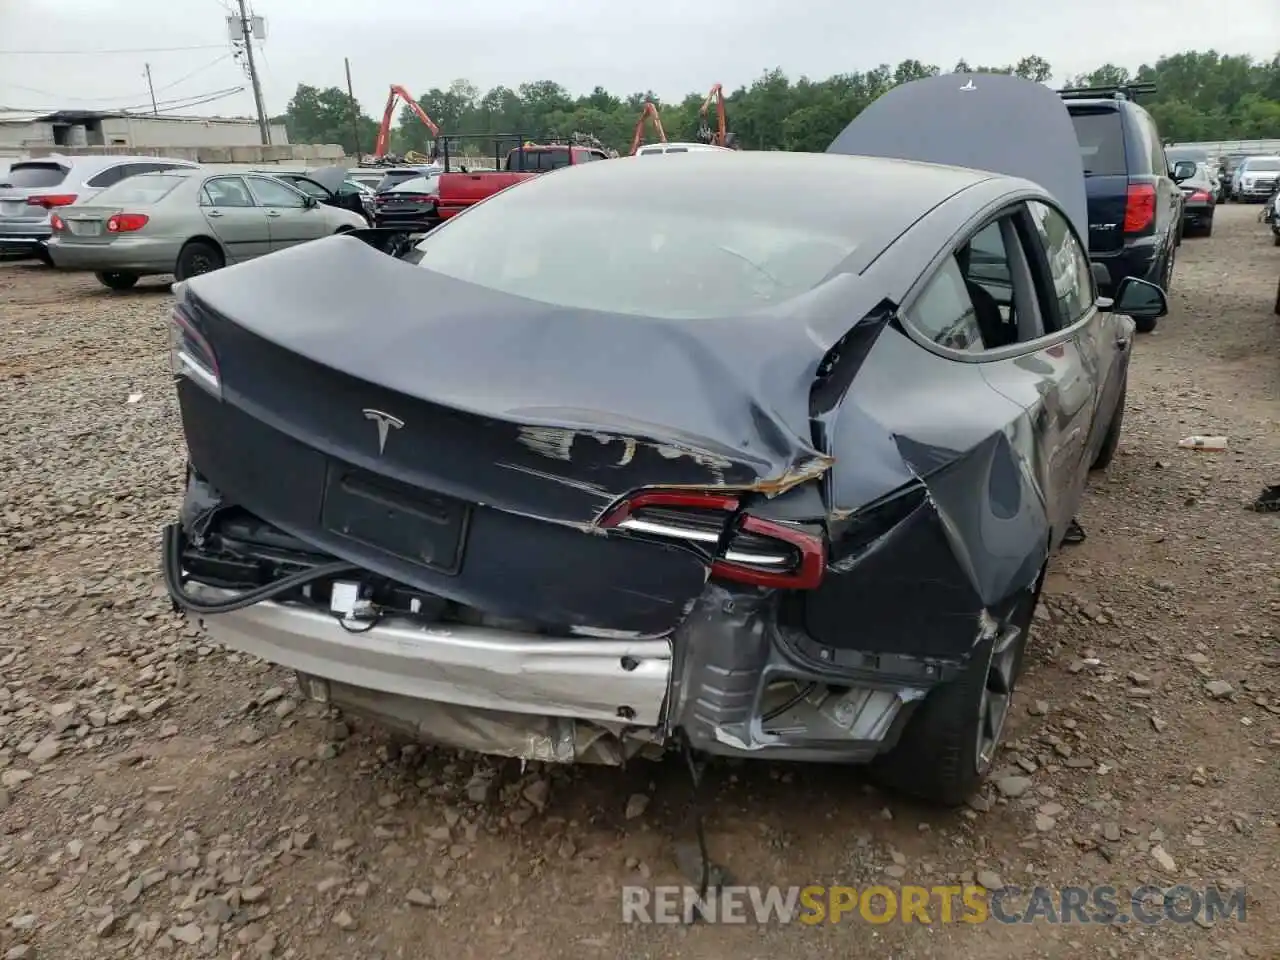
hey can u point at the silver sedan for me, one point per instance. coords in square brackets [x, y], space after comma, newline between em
[187, 223]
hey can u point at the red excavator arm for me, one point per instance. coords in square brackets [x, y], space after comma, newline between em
[384, 129]
[720, 136]
[649, 112]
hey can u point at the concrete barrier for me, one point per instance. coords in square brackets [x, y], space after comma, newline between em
[307, 154]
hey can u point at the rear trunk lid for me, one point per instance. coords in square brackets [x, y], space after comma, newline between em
[469, 448]
[88, 224]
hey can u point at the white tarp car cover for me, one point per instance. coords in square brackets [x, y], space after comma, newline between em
[989, 121]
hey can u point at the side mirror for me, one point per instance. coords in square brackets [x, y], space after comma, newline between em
[1184, 170]
[1140, 299]
[310, 202]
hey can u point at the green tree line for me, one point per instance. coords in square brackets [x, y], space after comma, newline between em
[1199, 96]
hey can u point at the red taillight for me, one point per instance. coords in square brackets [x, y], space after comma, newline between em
[190, 354]
[126, 222]
[740, 547]
[57, 223]
[49, 201]
[1139, 207]
[1200, 196]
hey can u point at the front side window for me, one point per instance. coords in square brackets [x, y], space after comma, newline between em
[310, 187]
[273, 193]
[1068, 264]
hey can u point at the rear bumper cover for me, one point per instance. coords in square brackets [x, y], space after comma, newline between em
[136, 254]
[588, 700]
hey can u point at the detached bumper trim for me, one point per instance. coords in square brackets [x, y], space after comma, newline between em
[479, 667]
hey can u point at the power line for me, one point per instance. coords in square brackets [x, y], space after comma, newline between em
[174, 103]
[124, 96]
[103, 53]
[197, 70]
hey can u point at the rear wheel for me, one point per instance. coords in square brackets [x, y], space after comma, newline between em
[948, 746]
[197, 257]
[118, 279]
[1208, 227]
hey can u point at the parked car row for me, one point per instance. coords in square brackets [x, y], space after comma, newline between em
[123, 218]
[770, 480]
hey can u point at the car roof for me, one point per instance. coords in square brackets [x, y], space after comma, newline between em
[96, 162]
[681, 147]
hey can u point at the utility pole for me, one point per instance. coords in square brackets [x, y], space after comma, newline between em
[246, 31]
[151, 87]
[355, 111]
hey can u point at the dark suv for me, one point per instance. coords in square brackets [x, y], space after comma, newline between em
[1135, 204]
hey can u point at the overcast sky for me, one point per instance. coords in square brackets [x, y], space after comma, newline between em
[670, 46]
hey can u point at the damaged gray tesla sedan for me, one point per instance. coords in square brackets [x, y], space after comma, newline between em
[763, 452]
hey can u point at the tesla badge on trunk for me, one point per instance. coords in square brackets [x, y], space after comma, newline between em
[385, 422]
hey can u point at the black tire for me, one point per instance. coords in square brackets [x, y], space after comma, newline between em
[118, 280]
[197, 257]
[1110, 443]
[1145, 324]
[43, 255]
[937, 759]
[1275, 238]
[1208, 228]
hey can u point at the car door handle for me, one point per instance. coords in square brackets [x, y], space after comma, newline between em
[1122, 342]
[273, 213]
[215, 213]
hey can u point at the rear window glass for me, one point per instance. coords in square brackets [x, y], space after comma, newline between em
[1269, 164]
[662, 260]
[147, 188]
[539, 159]
[30, 175]
[417, 185]
[1101, 138]
[396, 176]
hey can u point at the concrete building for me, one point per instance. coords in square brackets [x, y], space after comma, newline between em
[23, 133]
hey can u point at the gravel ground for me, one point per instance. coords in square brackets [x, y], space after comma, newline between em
[160, 795]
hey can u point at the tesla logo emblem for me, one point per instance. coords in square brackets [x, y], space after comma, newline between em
[385, 422]
[969, 85]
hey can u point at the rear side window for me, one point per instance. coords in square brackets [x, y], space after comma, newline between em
[1101, 137]
[944, 311]
[109, 176]
[34, 175]
[139, 189]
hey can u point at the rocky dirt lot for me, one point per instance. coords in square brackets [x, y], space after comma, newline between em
[160, 796]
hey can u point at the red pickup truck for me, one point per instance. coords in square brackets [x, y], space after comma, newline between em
[457, 191]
